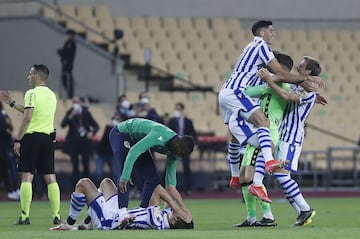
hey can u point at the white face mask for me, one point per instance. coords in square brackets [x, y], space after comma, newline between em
[177, 113]
[77, 107]
[125, 104]
[144, 100]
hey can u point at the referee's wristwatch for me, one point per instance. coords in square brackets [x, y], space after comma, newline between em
[12, 103]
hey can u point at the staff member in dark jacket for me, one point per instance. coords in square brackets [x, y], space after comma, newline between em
[78, 141]
[182, 125]
[67, 56]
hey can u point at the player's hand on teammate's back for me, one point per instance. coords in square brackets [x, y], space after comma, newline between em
[310, 86]
[317, 80]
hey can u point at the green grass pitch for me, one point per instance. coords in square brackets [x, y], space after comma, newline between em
[336, 218]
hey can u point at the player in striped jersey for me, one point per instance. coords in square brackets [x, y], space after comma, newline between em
[104, 213]
[242, 114]
[273, 106]
[300, 103]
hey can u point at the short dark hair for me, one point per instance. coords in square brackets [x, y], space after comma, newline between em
[187, 143]
[181, 224]
[181, 105]
[259, 24]
[70, 32]
[312, 65]
[284, 59]
[42, 71]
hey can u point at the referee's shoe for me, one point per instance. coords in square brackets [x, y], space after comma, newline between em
[26, 221]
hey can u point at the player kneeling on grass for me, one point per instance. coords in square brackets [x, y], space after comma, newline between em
[104, 214]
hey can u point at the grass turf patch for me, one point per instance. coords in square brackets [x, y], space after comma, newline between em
[336, 218]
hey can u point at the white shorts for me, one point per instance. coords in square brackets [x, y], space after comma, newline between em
[237, 108]
[105, 214]
[291, 152]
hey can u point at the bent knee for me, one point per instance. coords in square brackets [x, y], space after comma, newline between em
[248, 179]
[259, 119]
[105, 181]
[281, 170]
[83, 182]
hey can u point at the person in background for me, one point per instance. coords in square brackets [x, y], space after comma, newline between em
[124, 107]
[104, 153]
[7, 159]
[147, 111]
[78, 141]
[67, 56]
[34, 146]
[165, 119]
[144, 109]
[183, 125]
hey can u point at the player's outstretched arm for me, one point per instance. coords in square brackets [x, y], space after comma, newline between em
[5, 96]
[284, 76]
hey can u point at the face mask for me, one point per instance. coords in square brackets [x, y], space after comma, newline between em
[131, 113]
[77, 107]
[177, 113]
[114, 122]
[144, 100]
[125, 104]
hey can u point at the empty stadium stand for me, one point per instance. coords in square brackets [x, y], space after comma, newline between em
[203, 50]
[200, 51]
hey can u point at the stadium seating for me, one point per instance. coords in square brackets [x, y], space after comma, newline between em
[204, 51]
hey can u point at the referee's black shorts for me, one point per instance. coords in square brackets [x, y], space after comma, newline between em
[37, 154]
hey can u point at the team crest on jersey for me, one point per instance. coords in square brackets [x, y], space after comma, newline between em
[127, 144]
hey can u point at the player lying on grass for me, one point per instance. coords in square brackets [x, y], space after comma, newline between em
[104, 213]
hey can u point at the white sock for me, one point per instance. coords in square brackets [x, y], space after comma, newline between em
[78, 201]
[265, 143]
[268, 215]
[291, 189]
[259, 171]
[251, 219]
[233, 157]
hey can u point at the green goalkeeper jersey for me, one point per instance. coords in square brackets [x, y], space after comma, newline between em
[273, 106]
[148, 135]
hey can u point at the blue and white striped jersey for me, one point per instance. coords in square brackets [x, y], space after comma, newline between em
[292, 125]
[150, 218]
[255, 55]
[105, 214]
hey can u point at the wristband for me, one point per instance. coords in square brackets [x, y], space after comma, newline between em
[17, 141]
[12, 104]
